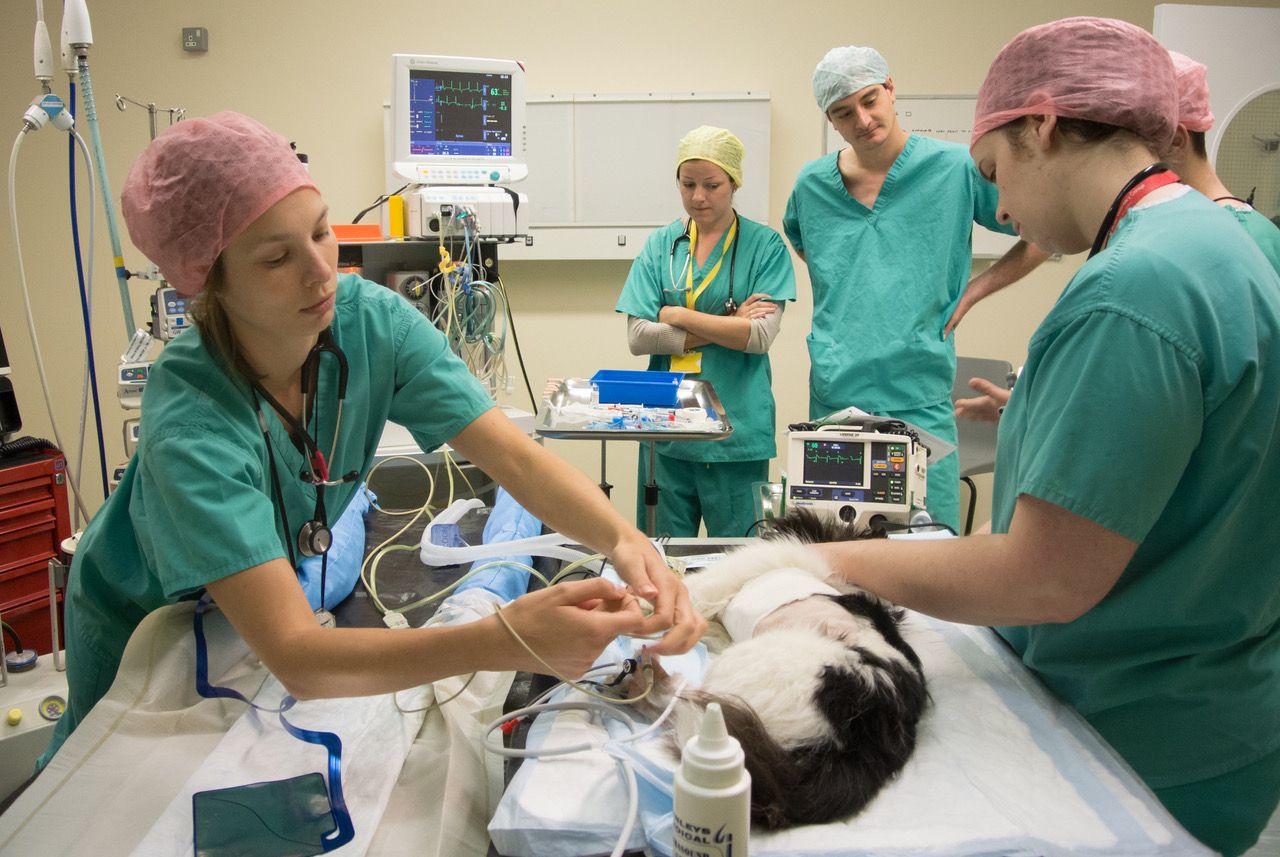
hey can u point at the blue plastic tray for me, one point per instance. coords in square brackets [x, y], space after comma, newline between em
[636, 387]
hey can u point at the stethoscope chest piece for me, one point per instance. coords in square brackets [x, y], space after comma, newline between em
[314, 538]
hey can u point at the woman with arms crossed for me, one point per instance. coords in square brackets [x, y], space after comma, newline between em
[705, 297]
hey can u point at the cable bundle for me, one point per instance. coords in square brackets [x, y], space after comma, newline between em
[470, 311]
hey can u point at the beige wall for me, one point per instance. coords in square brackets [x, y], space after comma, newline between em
[318, 72]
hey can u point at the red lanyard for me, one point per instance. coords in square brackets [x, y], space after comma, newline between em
[1154, 176]
[1143, 188]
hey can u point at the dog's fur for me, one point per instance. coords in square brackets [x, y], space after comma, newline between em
[824, 723]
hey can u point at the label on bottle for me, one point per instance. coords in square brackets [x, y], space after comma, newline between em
[695, 840]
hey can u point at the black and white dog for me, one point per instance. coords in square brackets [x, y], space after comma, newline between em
[814, 678]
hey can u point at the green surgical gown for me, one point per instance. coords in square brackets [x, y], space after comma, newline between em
[195, 504]
[742, 381]
[1150, 404]
[1264, 233]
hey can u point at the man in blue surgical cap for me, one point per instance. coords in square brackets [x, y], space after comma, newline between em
[885, 227]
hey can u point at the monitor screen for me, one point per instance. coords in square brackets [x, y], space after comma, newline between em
[459, 113]
[457, 120]
[835, 462]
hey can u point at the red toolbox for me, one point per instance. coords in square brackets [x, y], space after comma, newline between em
[34, 520]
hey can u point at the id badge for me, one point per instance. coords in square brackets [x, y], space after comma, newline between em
[690, 363]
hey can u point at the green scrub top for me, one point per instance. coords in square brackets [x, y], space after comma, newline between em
[1149, 404]
[886, 279]
[1264, 233]
[744, 382]
[196, 501]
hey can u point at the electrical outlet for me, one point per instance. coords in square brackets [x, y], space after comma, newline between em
[195, 39]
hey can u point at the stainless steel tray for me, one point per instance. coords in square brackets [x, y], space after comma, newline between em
[692, 393]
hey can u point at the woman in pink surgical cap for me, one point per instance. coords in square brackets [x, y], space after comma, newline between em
[261, 422]
[1132, 554]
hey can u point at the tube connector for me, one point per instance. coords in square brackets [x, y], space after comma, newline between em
[68, 54]
[42, 55]
[75, 20]
[45, 109]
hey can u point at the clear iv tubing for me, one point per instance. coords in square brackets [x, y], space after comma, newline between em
[91, 116]
[72, 482]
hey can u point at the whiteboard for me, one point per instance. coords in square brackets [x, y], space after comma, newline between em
[602, 167]
[946, 117]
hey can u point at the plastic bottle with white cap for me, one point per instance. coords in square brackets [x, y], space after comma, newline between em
[712, 793]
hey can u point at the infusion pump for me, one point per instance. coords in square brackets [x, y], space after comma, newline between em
[865, 474]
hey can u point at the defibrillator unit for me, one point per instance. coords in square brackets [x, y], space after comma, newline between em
[868, 472]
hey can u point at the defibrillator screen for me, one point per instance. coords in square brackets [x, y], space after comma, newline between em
[835, 462]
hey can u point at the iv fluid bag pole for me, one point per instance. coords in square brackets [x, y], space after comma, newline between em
[91, 115]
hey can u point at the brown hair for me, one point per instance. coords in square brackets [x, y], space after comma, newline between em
[210, 317]
[1080, 132]
[1198, 143]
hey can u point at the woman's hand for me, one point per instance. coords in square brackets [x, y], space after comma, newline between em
[986, 406]
[671, 314]
[639, 565]
[569, 625]
[757, 306]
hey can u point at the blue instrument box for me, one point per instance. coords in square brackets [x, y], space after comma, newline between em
[638, 387]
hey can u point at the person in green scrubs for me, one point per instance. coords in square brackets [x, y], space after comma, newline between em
[885, 227]
[294, 370]
[1190, 158]
[705, 297]
[1132, 559]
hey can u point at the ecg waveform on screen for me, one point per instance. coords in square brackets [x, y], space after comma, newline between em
[449, 85]
[468, 104]
[467, 87]
[832, 459]
[820, 454]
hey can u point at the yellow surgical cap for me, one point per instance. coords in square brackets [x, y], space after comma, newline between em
[708, 143]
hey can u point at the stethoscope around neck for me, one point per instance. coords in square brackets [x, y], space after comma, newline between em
[731, 305]
[314, 537]
[1143, 182]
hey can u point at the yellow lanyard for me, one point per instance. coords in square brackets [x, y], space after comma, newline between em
[691, 296]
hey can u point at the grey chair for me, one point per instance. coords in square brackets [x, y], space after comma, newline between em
[976, 441]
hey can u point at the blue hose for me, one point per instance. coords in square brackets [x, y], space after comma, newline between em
[84, 297]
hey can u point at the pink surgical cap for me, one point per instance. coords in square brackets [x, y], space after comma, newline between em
[1097, 69]
[1193, 93]
[199, 185]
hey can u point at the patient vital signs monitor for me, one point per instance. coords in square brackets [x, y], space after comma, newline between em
[457, 120]
[863, 475]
